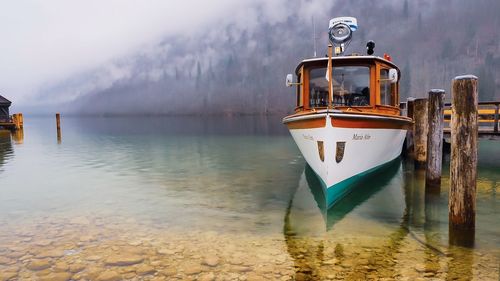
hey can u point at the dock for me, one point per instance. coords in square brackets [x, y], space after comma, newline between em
[452, 128]
[488, 120]
[13, 123]
[10, 122]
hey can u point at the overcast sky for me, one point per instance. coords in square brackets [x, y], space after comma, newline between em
[43, 42]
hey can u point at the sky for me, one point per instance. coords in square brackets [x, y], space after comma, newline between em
[44, 42]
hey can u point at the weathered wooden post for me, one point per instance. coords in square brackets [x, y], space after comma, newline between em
[495, 126]
[409, 134]
[14, 120]
[435, 138]
[58, 124]
[420, 130]
[21, 120]
[463, 163]
[58, 121]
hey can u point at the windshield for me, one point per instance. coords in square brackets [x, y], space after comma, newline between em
[351, 86]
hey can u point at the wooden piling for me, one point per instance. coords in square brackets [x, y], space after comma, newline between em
[420, 130]
[463, 163]
[58, 121]
[58, 124]
[435, 138]
[21, 120]
[14, 120]
[409, 134]
[495, 127]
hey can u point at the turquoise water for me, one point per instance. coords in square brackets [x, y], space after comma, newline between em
[238, 181]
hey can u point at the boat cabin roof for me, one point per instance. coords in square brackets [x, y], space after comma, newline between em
[354, 59]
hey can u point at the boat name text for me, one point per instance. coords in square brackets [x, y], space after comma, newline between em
[308, 137]
[361, 137]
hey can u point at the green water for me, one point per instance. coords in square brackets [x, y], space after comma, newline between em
[181, 192]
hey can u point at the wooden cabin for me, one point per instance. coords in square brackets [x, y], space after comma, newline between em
[360, 84]
[4, 109]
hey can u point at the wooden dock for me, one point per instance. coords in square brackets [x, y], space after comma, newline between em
[483, 133]
[460, 124]
[488, 120]
[8, 125]
[14, 123]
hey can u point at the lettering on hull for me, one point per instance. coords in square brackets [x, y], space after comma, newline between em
[358, 137]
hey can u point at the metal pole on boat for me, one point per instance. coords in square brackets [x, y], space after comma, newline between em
[435, 138]
[420, 130]
[463, 163]
[330, 75]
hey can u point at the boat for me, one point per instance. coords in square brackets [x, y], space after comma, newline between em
[347, 121]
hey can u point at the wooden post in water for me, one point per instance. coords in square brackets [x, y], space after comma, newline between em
[495, 127]
[420, 130]
[14, 120]
[435, 138]
[463, 163]
[58, 124]
[409, 134]
[21, 120]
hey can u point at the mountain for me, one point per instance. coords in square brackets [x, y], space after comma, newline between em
[239, 67]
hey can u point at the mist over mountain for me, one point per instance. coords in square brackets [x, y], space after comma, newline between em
[238, 66]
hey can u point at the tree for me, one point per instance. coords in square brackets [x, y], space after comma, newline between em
[198, 74]
[448, 50]
[486, 84]
[419, 21]
[177, 74]
[406, 12]
[405, 81]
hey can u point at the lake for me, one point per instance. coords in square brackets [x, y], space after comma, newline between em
[209, 198]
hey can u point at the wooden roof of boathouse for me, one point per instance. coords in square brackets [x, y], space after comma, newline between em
[4, 101]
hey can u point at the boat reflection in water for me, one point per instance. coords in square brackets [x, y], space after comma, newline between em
[309, 225]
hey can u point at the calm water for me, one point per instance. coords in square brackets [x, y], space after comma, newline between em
[220, 199]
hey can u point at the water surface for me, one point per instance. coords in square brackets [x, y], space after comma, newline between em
[220, 199]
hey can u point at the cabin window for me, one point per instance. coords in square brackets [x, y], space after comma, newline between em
[351, 86]
[387, 89]
[300, 98]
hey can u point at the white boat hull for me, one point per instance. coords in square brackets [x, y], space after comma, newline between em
[365, 149]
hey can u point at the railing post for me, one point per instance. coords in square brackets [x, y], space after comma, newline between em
[403, 109]
[435, 138]
[495, 126]
[463, 164]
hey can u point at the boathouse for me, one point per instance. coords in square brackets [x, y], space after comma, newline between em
[4, 109]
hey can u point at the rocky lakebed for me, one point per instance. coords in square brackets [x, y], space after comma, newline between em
[93, 248]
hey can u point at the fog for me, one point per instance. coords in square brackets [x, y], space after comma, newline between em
[226, 57]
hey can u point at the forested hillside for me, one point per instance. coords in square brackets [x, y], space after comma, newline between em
[239, 68]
